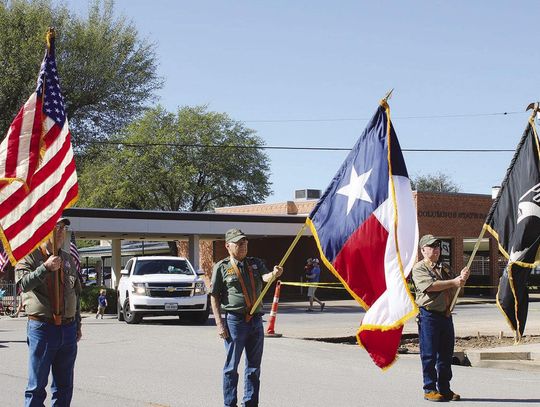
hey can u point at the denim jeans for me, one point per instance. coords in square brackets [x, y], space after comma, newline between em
[248, 336]
[50, 347]
[436, 337]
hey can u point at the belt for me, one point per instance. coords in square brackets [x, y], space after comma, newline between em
[442, 314]
[242, 315]
[65, 321]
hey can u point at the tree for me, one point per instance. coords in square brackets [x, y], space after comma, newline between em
[107, 74]
[166, 161]
[434, 183]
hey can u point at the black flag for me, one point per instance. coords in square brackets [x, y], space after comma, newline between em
[514, 220]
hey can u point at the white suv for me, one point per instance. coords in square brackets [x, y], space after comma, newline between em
[161, 285]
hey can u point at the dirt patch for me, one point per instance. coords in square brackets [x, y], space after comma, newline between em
[470, 342]
[409, 342]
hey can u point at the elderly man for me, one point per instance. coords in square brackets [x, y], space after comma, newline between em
[237, 282]
[435, 289]
[51, 293]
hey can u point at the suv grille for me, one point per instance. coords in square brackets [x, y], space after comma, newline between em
[170, 290]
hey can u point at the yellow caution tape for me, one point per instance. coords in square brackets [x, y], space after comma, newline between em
[316, 285]
[332, 285]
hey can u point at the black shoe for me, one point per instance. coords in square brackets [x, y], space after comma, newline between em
[451, 396]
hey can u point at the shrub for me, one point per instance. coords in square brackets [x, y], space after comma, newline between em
[89, 299]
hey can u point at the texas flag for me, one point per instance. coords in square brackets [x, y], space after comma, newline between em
[367, 233]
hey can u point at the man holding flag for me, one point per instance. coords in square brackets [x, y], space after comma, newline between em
[52, 342]
[435, 288]
[38, 180]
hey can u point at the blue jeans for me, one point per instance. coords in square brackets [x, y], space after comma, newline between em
[436, 337]
[50, 347]
[248, 336]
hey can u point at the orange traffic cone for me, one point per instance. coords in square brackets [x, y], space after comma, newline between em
[273, 313]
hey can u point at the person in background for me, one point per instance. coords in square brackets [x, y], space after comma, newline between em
[436, 287]
[314, 276]
[102, 303]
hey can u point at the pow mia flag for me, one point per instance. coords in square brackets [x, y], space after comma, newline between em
[514, 220]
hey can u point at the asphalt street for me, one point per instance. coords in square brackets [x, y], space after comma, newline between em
[163, 362]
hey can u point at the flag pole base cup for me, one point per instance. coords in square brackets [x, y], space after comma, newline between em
[272, 335]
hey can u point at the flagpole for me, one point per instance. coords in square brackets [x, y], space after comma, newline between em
[49, 37]
[476, 246]
[281, 263]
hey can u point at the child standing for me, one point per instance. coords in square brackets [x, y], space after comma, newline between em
[102, 303]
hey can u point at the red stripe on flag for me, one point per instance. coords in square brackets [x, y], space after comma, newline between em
[360, 262]
[52, 135]
[382, 346]
[42, 203]
[41, 175]
[46, 228]
[34, 141]
[12, 156]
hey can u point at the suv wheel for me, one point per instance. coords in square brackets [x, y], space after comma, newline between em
[131, 317]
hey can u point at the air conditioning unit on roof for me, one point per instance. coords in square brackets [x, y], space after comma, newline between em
[307, 194]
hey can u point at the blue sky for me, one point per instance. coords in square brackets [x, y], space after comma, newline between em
[322, 60]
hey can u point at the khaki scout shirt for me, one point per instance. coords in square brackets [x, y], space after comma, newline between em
[32, 276]
[226, 285]
[424, 274]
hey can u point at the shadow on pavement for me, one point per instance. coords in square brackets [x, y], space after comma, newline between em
[486, 400]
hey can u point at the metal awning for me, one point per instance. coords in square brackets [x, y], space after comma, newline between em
[162, 225]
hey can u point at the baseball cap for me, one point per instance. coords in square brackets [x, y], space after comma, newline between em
[427, 240]
[65, 221]
[234, 235]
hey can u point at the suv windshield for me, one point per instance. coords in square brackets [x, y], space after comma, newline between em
[154, 266]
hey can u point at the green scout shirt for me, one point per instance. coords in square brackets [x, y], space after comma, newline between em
[226, 285]
[32, 276]
[424, 274]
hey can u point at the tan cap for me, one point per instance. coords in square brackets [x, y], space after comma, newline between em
[426, 240]
[234, 235]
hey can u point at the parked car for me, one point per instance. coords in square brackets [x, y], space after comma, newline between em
[161, 285]
[88, 275]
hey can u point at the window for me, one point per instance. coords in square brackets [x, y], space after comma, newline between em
[165, 266]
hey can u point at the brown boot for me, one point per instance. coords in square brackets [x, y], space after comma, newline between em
[434, 396]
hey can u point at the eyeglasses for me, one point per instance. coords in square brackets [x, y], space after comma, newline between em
[434, 245]
[62, 227]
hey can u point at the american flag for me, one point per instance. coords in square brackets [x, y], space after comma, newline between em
[38, 179]
[4, 260]
[75, 253]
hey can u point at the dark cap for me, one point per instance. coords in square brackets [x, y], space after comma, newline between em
[234, 235]
[427, 240]
[65, 221]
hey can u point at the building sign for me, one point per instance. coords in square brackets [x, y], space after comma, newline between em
[452, 215]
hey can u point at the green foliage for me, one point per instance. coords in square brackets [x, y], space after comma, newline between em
[81, 243]
[434, 183]
[185, 171]
[89, 299]
[107, 73]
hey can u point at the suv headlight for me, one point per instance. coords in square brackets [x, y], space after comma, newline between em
[200, 288]
[139, 288]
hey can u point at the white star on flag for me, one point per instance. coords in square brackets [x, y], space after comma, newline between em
[355, 189]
